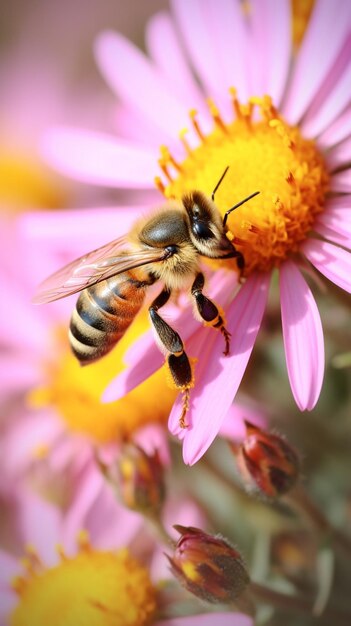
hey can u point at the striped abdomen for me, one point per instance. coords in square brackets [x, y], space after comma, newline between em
[102, 315]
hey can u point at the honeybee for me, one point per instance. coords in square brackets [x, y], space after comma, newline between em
[166, 246]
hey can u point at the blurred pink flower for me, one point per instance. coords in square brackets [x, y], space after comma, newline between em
[303, 212]
[41, 533]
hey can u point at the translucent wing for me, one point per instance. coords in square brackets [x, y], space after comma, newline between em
[100, 264]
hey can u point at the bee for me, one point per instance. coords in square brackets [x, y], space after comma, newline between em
[165, 246]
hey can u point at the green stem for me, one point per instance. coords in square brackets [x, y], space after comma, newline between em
[160, 531]
[299, 499]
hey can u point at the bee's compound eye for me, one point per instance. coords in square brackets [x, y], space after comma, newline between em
[196, 212]
[170, 251]
[202, 231]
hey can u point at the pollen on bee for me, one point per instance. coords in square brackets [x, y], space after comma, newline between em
[185, 408]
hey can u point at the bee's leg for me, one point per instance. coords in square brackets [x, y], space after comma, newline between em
[240, 263]
[178, 362]
[209, 311]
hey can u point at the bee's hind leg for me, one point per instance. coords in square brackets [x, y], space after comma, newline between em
[209, 312]
[178, 362]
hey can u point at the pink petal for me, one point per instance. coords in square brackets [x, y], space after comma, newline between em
[41, 523]
[208, 619]
[100, 159]
[218, 377]
[303, 337]
[233, 427]
[134, 126]
[332, 261]
[199, 42]
[18, 373]
[152, 438]
[336, 219]
[339, 155]
[315, 60]
[14, 330]
[340, 238]
[27, 433]
[114, 526]
[270, 50]
[138, 83]
[87, 487]
[333, 95]
[337, 131]
[78, 229]
[338, 202]
[150, 361]
[209, 36]
[341, 182]
[230, 40]
[144, 356]
[9, 568]
[164, 46]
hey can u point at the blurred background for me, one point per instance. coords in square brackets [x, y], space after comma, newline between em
[47, 77]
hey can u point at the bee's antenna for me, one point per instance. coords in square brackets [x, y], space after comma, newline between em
[219, 182]
[237, 205]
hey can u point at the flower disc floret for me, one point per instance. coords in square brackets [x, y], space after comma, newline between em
[264, 154]
[95, 588]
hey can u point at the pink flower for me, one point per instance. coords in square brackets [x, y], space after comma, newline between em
[293, 146]
[74, 553]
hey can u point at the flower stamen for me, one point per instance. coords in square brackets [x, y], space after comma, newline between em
[263, 153]
[182, 138]
[112, 583]
[195, 124]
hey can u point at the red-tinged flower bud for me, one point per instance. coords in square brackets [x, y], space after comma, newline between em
[208, 566]
[138, 478]
[267, 462]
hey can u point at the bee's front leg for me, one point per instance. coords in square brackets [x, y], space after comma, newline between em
[178, 362]
[209, 312]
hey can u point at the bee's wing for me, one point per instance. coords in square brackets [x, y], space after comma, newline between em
[109, 260]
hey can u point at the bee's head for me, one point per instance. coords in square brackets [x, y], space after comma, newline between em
[206, 229]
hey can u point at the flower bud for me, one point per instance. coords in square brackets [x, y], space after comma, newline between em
[267, 462]
[139, 479]
[208, 566]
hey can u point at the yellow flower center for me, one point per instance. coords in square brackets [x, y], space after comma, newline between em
[26, 182]
[94, 588]
[264, 154]
[76, 392]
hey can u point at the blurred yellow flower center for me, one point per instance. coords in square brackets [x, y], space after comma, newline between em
[76, 392]
[264, 154]
[27, 183]
[94, 588]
